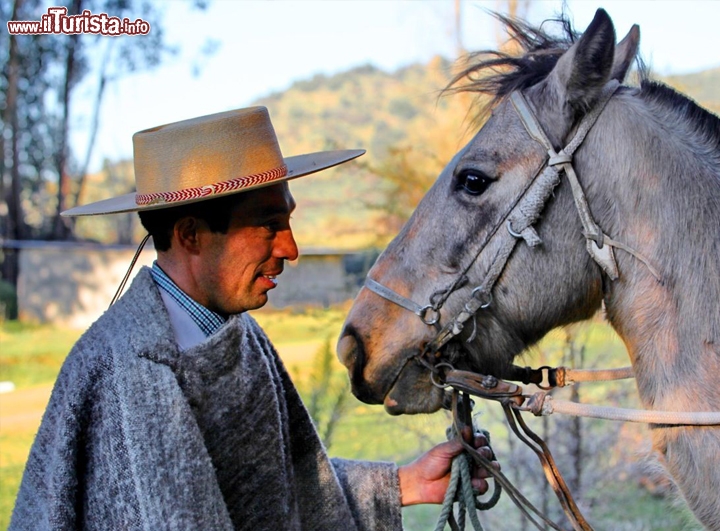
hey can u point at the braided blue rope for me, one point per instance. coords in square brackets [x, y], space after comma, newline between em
[459, 490]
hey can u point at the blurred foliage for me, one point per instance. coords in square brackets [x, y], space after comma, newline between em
[325, 391]
[408, 128]
[32, 354]
[40, 77]
[115, 179]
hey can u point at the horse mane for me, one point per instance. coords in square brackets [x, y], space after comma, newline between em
[496, 74]
[698, 124]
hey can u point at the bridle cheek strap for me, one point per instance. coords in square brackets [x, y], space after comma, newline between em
[602, 254]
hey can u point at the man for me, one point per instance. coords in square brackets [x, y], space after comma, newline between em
[173, 411]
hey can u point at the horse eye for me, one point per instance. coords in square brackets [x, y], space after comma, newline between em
[473, 182]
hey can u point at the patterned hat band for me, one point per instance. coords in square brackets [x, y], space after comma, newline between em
[231, 185]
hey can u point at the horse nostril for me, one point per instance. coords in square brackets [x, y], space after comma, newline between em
[347, 351]
[351, 352]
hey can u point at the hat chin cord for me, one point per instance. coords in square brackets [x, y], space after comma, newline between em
[121, 287]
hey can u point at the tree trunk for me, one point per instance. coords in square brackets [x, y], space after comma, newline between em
[576, 449]
[15, 228]
[62, 228]
[93, 130]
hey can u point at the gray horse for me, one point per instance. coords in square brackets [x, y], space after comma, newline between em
[650, 170]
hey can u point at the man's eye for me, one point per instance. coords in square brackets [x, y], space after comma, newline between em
[473, 182]
[273, 227]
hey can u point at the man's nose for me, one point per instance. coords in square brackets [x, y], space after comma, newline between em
[285, 246]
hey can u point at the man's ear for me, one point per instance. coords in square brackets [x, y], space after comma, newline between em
[185, 234]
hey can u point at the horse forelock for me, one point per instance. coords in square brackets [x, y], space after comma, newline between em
[497, 73]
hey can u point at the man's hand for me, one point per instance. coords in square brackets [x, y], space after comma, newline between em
[426, 479]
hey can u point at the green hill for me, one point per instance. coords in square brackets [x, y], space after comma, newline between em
[368, 108]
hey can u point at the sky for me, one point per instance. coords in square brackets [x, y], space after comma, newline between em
[264, 46]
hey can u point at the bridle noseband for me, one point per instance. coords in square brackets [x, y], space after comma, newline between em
[519, 221]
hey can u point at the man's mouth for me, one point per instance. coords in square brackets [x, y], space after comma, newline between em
[269, 279]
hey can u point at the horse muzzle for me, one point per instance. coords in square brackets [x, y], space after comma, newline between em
[351, 352]
[413, 392]
[401, 384]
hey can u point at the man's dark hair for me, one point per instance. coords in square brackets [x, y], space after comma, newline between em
[215, 212]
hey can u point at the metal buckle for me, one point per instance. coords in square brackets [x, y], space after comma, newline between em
[487, 294]
[550, 384]
[423, 315]
[512, 232]
[435, 371]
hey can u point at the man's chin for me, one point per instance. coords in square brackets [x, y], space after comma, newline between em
[258, 302]
[246, 303]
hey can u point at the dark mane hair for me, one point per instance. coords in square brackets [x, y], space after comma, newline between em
[698, 123]
[496, 73]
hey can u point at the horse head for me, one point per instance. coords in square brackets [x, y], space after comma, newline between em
[505, 246]
[447, 249]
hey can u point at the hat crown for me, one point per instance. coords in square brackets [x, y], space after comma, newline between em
[206, 150]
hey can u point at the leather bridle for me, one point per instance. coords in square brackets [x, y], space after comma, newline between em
[518, 220]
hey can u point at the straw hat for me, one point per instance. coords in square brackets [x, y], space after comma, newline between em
[208, 157]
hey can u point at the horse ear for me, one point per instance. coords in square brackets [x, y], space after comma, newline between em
[625, 53]
[585, 68]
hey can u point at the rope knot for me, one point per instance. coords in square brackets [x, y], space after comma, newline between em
[539, 404]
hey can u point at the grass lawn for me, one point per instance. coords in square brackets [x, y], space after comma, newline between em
[30, 356]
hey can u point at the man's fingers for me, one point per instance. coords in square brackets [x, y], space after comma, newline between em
[448, 448]
[486, 452]
[480, 485]
[479, 471]
[480, 440]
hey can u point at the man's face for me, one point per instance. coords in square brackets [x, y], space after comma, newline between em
[234, 271]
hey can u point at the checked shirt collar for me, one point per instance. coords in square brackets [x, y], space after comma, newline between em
[208, 321]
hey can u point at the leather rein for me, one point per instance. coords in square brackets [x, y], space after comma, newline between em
[518, 221]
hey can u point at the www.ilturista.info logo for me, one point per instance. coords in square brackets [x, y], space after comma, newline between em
[56, 21]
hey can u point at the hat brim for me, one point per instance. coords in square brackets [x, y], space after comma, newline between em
[297, 166]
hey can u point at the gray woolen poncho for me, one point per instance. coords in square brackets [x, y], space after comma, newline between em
[140, 436]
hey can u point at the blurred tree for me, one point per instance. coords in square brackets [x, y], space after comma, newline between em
[411, 166]
[27, 127]
[38, 79]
